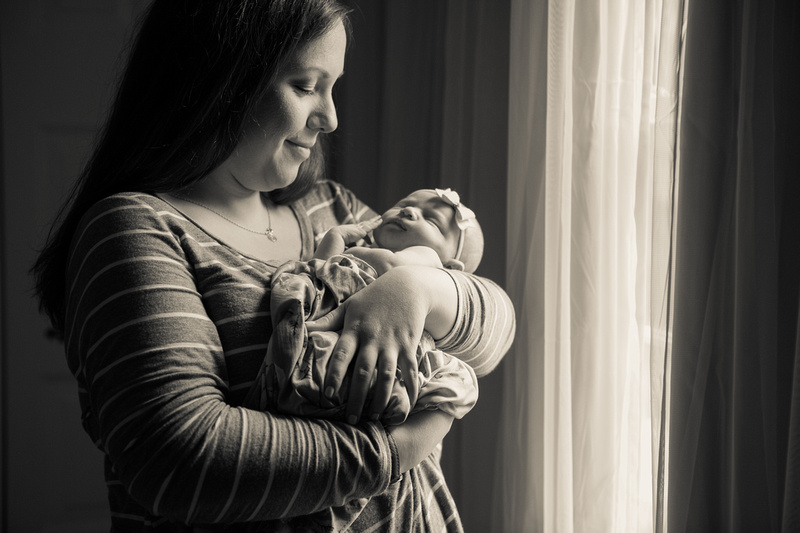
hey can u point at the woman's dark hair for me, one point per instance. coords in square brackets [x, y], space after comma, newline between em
[196, 71]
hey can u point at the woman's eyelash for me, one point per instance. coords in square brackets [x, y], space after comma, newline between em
[304, 90]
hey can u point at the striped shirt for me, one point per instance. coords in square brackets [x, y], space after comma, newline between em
[166, 329]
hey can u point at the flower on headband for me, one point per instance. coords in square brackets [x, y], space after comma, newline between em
[464, 215]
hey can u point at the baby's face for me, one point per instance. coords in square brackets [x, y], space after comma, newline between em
[419, 219]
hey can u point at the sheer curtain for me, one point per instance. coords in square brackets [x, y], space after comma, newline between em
[593, 109]
[735, 436]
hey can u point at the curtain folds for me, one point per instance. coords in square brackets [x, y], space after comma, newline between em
[593, 108]
[734, 450]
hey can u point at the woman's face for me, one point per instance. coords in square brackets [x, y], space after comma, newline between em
[296, 108]
[419, 219]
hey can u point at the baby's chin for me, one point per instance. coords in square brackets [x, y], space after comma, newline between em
[380, 240]
[380, 237]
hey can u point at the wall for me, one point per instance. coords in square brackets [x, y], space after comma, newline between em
[57, 60]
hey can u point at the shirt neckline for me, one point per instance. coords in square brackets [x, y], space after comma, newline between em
[303, 220]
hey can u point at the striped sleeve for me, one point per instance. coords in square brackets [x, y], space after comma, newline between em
[154, 390]
[485, 323]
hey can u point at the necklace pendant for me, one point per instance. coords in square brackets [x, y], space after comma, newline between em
[270, 235]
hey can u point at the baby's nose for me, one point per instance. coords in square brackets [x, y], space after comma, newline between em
[409, 211]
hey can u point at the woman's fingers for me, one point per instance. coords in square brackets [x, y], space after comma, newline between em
[380, 327]
[342, 354]
[385, 376]
[390, 361]
[407, 363]
[333, 321]
[363, 371]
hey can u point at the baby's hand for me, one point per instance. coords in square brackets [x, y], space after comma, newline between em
[351, 233]
[338, 237]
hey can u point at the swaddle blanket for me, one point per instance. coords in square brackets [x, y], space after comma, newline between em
[292, 376]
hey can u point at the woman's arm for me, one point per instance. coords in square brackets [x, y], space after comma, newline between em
[481, 333]
[418, 435]
[382, 324]
[467, 311]
[485, 326]
[154, 386]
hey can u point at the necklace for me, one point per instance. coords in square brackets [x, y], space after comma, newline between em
[270, 233]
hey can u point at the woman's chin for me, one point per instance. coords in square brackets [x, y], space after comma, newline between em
[284, 178]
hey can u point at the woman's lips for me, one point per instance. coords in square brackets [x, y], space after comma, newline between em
[302, 149]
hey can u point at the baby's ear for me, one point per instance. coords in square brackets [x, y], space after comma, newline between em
[454, 264]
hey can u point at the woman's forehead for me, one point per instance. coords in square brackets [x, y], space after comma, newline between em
[325, 55]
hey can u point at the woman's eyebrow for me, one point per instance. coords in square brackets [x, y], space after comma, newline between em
[297, 69]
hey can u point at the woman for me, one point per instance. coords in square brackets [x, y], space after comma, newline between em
[203, 182]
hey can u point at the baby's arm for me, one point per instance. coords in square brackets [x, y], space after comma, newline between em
[338, 237]
[383, 260]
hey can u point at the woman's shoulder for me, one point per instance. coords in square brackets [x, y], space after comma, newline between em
[131, 208]
[329, 200]
[131, 214]
[126, 202]
[323, 192]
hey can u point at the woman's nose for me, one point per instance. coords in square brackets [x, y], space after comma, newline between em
[324, 118]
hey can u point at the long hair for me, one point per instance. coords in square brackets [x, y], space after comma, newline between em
[196, 71]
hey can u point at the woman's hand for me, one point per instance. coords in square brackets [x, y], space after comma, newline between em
[381, 327]
[418, 436]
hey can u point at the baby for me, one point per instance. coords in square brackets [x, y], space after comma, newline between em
[428, 227]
